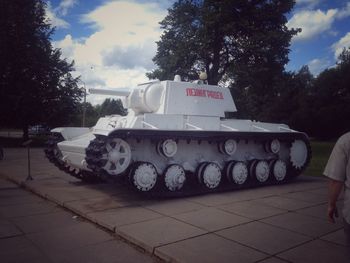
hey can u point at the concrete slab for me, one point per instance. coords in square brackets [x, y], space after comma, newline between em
[20, 249]
[20, 210]
[89, 205]
[273, 260]
[211, 219]
[7, 229]
[20, 199]
[5, 184]
[252, 209]
[320, 211]
[45, 222]
[176, 229]
[56, 241]
[303, 183]
[306, 225]
[284, 203]
[324, 192]
[319, 191]
[68, 194]
[158, 232]
[317, 251]
[337, 237]
[307, 197]
[208, 248]
[263, 237]
[13, 245]
[171, 207]
[115, 218]
[230, 197]
[13, 191]
[42, 187]
[105, 252]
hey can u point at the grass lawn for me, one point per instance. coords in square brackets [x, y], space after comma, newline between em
[320, 155]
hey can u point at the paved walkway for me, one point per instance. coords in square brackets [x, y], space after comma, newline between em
[269, 224]
[33, 229]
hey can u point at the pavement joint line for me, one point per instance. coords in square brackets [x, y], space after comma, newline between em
[166, 257]
[314, 205]
[23, 185]
[272, 257]
[333, 243]
[177, 241]
[142, 221]
[284, 211]
[300, 232]
[291, 211]
[256, 220]
[115, 233]
[242, 244]
[272, 254]
[212, 231]
[311, 203]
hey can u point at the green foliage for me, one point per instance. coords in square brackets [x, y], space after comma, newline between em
[111, 106]
[320, 154]
[93, 113]
[330, 100]
[36, 85]
[318, 105]
[244, 40]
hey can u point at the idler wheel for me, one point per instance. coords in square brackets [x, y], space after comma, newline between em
[144, 176]
[117, 157]
[174, 177]
[209, 175]
[237, 172]
[260, 170]
[298, 154]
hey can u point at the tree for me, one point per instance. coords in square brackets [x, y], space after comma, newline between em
[244, 40]
[111, 106]
[93, 113]
[292, 103]
[330, 102]
[36, 85]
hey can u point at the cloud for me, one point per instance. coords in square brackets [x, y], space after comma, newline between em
[131, 57]
[67, 46]
[64, 6]
[119, 52]
[315, 22]
[345, 12]
[338, 47]
[53, 19]
[312, 23]
[317, 65]
[307, 3]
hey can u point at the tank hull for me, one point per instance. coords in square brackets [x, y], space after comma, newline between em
[175, 141]
[87, 157]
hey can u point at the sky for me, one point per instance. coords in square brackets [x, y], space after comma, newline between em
[112, 42]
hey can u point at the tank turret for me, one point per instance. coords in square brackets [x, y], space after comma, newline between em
[176, 139]
[175, 97]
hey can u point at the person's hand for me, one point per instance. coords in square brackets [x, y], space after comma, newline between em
[332, 212]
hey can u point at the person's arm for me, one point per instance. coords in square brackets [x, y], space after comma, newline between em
[334, 189]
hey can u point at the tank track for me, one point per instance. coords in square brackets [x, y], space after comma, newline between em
[53, 154]
[96, 149]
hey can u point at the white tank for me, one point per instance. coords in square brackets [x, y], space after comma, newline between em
[176, 139]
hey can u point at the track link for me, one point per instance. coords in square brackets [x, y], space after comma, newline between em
[53, 153]
[96, 149]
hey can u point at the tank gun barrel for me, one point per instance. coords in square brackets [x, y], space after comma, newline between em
[124, 92]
